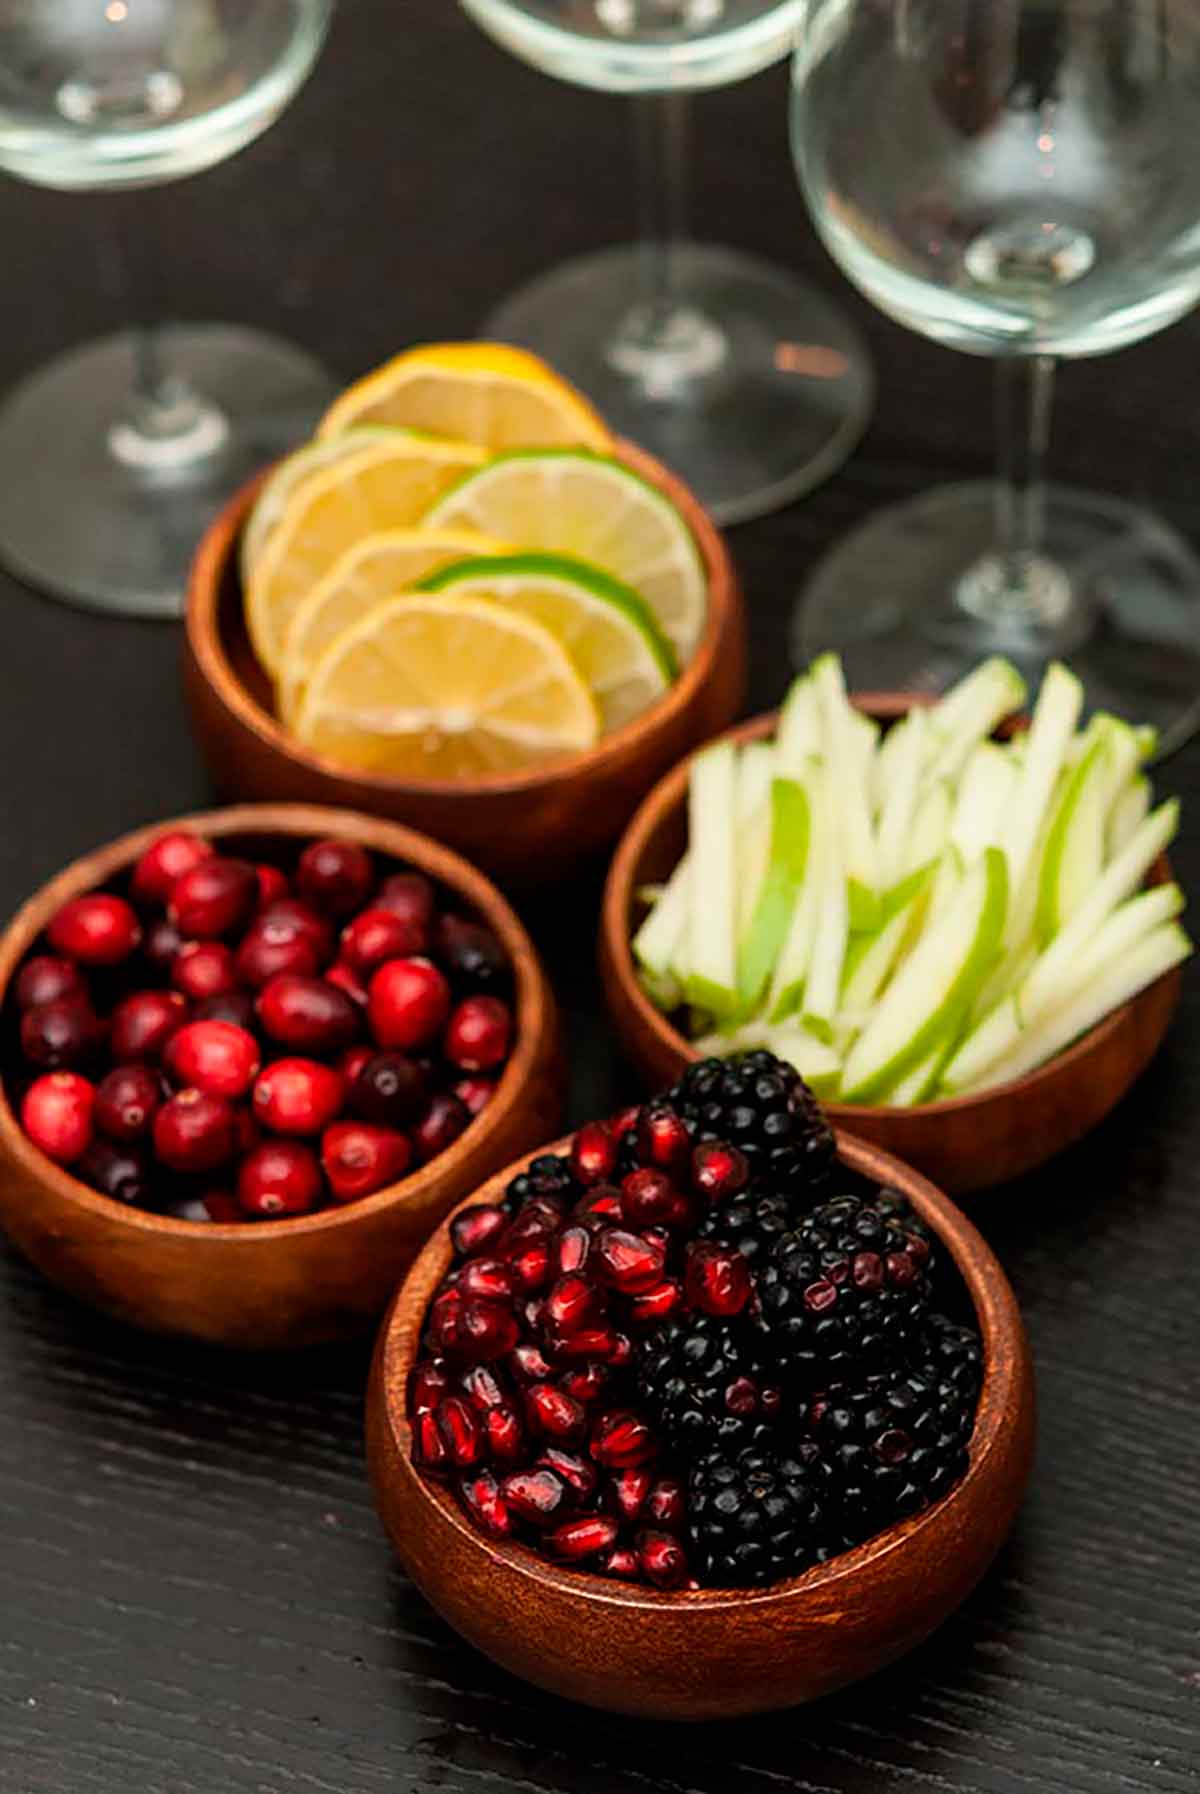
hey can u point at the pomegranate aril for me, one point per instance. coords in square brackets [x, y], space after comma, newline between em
[663, 1559]
[603, 1204]
[203, 969]
[621, 1351]
[571, 1249]
[56, 1113]
[537, 1496]
[663, 1138]
[213, 899]
[475, 1094]
[504, 1433]
[627, 1491]
[359, 1159]
[580, 1477]
[127, 1101]
[594, 1153]
[297, 1096]
[586, 1382]
[61, 1035]
[481, 1497]
[218, 1057]
[719, 1172]
[529, 1365]
[625, 1120]
[717, 1279]
[531, 1267]
[96, 930]
[586, 1537]
[391, 1090]
[460, 1431]
[482, 1387]
[585, 1343]
[377, 935]
[628, 1261]
[489, 1279]
[440, 1126]
[666, 1506]
[119, 1172]
[335, 876]
[656, 1304]
[428, 1448]
[621, 1440]
[195, 1131]
[647, 1196]
[408, 1001]
[622, 1562]
[48, 979]
[479, 1332]
[428, 1383]
[476, 1229]
[554, 1413]
[574, 1302]
[165, 860]
[532, 1312]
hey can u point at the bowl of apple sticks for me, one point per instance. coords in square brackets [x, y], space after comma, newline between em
[957, 921]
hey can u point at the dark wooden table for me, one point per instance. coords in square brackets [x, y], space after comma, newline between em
[195, 1597]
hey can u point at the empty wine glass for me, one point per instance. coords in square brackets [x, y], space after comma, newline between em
[114, 456]
[734, 372]
[1019, 179]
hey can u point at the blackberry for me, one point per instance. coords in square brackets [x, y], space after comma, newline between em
[707, 1383]
[848, 1288]
[758, 1103]
[758, 1516]
[751, 1223]
[548, 1175]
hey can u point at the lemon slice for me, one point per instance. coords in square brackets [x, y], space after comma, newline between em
[282, 481]
[595, 509]
[378, 567]
[480, 392]
[608, 631]
[387, 483]
[437, 687]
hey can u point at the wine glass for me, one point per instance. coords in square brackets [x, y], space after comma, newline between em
[734, 372]
[1019, 179]
[114, 456]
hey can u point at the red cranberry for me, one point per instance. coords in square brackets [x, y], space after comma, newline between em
[96, 930]
[718, 1171]
[479, 1035]
[625, 1120]
[407, 1003]
[127, 1101]
[142, 1025]
[336, 876]
[345, 979]
[56, 1113]
[408, 895]
[161, 943]
[59, 1036]
[286, 917]
[116, 1171]
[475, 1094]
[627, 1492]
[215, 1056]
[574, 1302]
[656, 1304]
[460, 1430]
[272, 884]
[663, 1560]
[376, 935]
[621, 1440]
[554, 1413]
[593, 1151]
[164, 861]
[472, 956]
[663, 1138]
[359, 1159]
[488, 1278]
[203, 969]
[630, 1262]
[45, 979]
[261, 957]
[195, 1131]
[647, 1196]
[280, 1177]
[391, 1090]
[480, 1495]
[221, 1207]
[297, 1096]
[428, 1382]
[665, 1504]
[622, 1562]
[477, 1228]
[477, 1332]
[590, 1536]
[352, 1063]
[216, 898]
[443, 1121]
[234, 1006]
[537, 1496]
[307, 1014]
[717, 1279]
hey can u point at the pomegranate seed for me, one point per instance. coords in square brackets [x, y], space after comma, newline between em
[647, 1196]
[532, 1312]
[480, 1495]
[477, 1228]
[478, 1332]
[203, 969]
[655, 1304]
[574, 1302]
[586, 1383]
[554, 1413]
[489, 1279]
[475, 1094]
[359, 1159]
[460, 1431]
[335, 876]
[391, 1090]
[741, 1397]
[621, 1351]
[307, 1014]
[56, 1113]
[627, 1492]
[584, 1343]
[215, 898]
[626, 1119]
[60, 1036]
[529, 1365]
[571, 1249]
[143, 1024]
[164, 861]
[440, 1126]
[628, 1261]
[214, 1056]
[408, 895]
[116, 1171]
[280, 1177]
[195, 1131]
[665, 1504]
[663, 1138]
[532, 1227]
[901, 1270]
[46, 979]
[586, 1537]
[718, 1171]
[428, 1382]
[622, 1562]
[482, 1387]
[377, 935]
[535, 1495]
[160, 944]
[428, 1448]
[621, 1440]
[127, 1101]
[272, 884]
[603, 1203]
[594, 1153]
[408, 1001]
[272, 949]
[576, 1472]
[297, 1096]
[531, 1267]
[663, 1559]
[717, 1280]
[96, 930]
[504, 1433]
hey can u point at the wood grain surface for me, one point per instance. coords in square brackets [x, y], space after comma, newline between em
[195, 1594]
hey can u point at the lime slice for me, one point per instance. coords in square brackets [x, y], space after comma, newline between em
[595, 509]
[608, 631]
[435, 687]
[282, 481]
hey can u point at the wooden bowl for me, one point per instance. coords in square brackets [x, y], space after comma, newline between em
[504, 823]
[963, 1143]
[281, 1283]
[718, 1653]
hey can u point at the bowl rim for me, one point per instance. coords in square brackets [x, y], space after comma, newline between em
[217, 552]
[619, 893]
[1006, 1368]
[88, 871]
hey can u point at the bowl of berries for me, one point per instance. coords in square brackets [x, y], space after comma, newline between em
[690, 1430]
[251, 1057]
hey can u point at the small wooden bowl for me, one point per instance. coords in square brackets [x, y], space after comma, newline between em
[963, 1143]
[502, 823]
[719, 1653]
[269, 1284]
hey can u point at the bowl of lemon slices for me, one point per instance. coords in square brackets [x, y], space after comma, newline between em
[465, 605]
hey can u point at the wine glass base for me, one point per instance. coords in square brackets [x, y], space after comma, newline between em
[889, 599]
[761, 393]
[90, 526]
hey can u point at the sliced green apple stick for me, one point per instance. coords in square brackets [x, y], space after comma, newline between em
[981, 703]
[791, 967]
[709, 947]
[984, 792]
[905, 767]
[1129, 811]
[831, 927]
[798, 736]
[1073, 854]
[1054, 718]
[1154, 955]
[656, 943]
[918, 1084]
[876, 959]
[846, 766]
[1147, 739]
[930, 827]
[766, 927]
[934, 987]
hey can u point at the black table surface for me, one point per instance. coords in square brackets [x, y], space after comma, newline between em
[195, 1596]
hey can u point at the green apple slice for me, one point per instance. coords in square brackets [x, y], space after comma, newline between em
[1073, 855]
[710, 981]
[791, 967]
[930, 826]
[969, 714]
[842, 745]
[766, 928]
[985, 789]
[868, 969]
[1054, 718]
[934, 987]
[918, 1085]
[831, 925]
[798, 736]
[906, 764]
[1130, 809]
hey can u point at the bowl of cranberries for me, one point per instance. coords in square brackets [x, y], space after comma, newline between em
[251, 1058]
[691, 1430]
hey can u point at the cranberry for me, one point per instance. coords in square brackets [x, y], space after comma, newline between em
[479, 1035]
[391, 1089]
[61, 1035]
[443, 1121]
[286, 917]
[280, 1177]
[352, 1063]
[589, 1536]
[96, 930]
[460, 1431]
[475, 1094]
[195, 1131]
[593, 1150]
[625, 1121]
[647, 1196]
[203, 969]
[621, 1561]
[621, 1440]
[336, 876]
[45, 979]
[656, 1304]
[717, 1279]
[480, 1495]
[272, 884]
[407, 1003]
[215, 1056]
[477, 1332]
[408, 895]
[627, 1492]
[537, 1496]
[127, 1101]
[665, 1504]
[164, 861]
[571, 1249]
[214, 899]
[574, 1302]
[376, 935]
[359, 1159]
[221, 1206]
[307, 1014]
[116, 1171]
[345, 979]
[428, 1382]
[234, 1006]
[297, 1096]
[488, 1278]
[662, 1558]
[142, 1025]
[261, 957]
[477, 1228]
[630, 1262]
[663, 1138]
[554, 1413]
[161, 943]
[472, 956]
[719, 1171]
[56, 1113]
